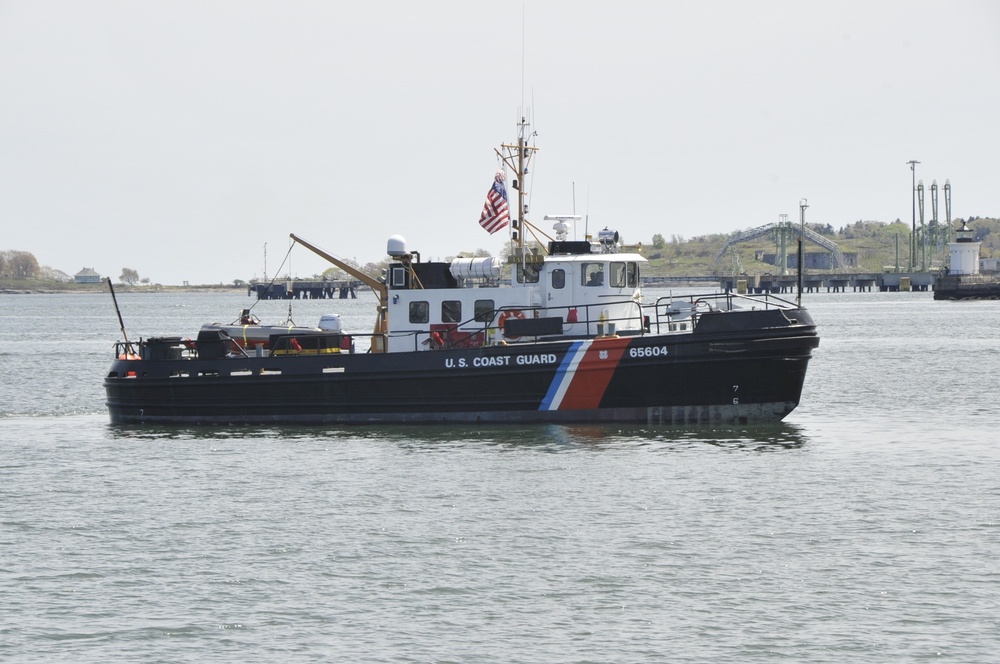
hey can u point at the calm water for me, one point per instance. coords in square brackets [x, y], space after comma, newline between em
[863, 528]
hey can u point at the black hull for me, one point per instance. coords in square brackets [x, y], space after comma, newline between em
[969, 294]
[743, 369]
[976, 287]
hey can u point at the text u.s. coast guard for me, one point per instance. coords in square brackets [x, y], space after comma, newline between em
[500, 361]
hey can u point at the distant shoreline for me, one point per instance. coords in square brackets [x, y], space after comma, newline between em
[84, 289]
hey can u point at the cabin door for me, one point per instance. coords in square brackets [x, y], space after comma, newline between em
[563, 298]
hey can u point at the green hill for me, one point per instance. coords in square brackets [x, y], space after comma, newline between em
[869, 246]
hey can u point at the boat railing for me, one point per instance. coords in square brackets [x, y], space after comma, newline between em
[666, 314]
[128, 350]
[167, 348]
[480, 331]
[681, 313]
[445, 335]
[603, 318]
[592, 318]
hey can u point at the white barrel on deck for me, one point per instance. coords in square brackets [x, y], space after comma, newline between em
[487, 267]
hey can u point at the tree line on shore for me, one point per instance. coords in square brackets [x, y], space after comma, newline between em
[19, 265]
[875, 241]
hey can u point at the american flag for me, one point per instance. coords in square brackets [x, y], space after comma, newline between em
[495, 213]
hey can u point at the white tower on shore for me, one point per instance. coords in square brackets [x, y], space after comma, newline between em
[964, 252]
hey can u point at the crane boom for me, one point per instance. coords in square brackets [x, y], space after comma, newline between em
[375, 284]
[381, 322]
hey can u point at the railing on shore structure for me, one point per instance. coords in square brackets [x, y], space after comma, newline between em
[306, 290]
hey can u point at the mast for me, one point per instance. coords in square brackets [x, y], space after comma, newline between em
[517, 158]
[520, 184]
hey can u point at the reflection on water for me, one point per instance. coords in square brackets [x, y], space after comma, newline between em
[553, 438]
[780, 435]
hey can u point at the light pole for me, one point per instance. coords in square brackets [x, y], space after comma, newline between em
[913, 231]
[803, 204]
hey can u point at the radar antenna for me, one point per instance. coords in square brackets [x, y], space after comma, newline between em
[561, 227]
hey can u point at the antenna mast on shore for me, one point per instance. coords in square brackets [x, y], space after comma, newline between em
[803, 204]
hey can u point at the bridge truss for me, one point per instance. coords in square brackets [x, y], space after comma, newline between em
[784, 227]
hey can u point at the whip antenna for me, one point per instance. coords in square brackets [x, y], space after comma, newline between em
[121, 323]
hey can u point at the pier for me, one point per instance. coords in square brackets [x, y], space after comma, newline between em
[884, 282]
[306, 290]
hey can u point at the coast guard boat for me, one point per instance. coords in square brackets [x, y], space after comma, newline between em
[559, 333]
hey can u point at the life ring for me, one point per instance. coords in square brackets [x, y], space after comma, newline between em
[509, 313]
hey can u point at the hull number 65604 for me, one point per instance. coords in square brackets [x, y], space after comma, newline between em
[647, 351]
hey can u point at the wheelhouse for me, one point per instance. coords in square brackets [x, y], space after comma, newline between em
[469, 302]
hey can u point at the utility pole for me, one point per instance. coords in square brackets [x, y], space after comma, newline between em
[913, 231]
[784, 229]
[803, 204]
[923, 229]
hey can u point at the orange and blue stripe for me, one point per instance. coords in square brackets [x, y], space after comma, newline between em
[584, 374]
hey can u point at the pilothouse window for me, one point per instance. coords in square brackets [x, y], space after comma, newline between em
[618, 275]
[418, 312]
[593, 274]
[484, 309]
[451, 311]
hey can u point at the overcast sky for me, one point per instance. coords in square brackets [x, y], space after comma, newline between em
[178, 138]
